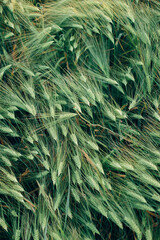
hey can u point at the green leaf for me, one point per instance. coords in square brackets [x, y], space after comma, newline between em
[3, 70]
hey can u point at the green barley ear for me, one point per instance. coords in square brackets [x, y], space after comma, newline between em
[3, 224]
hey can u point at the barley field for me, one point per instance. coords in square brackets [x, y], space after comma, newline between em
[80, 120]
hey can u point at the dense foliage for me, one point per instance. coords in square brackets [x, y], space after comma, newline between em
[79, 119]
